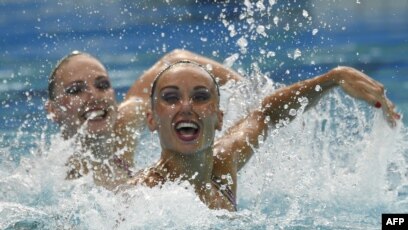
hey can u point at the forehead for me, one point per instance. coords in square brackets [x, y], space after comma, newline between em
[183, 76]
[80, 67]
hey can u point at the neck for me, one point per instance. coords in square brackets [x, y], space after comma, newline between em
[97, 149]
[100, 148]
[195, 168]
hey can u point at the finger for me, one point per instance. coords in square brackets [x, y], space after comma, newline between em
[389, 111]
[373, 93]
[375, 96]
[390, 107]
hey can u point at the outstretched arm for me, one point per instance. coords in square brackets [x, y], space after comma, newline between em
[235, 148]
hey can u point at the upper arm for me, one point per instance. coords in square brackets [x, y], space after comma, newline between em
[131, 119]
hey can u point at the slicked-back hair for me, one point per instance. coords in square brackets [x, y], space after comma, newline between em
[61, 62]
[176, 64]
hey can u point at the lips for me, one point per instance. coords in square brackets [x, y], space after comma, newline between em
[95, 114]
[187, 130]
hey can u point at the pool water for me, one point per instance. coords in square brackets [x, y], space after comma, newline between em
[338, 166]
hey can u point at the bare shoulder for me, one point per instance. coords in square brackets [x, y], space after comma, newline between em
[132, 108]
[131, 113]
[148, 177]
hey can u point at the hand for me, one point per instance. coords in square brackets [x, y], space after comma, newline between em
[361, 86]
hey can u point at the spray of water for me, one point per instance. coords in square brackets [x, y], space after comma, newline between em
[337, 165]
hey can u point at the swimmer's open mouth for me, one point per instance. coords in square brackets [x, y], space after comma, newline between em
[187, 130]
[95, 115]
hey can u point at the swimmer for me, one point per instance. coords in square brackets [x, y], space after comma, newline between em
[185, 112]
[82, 102]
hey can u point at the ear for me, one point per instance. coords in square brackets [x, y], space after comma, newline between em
[151, 122]
[52, 111]
[220, 120]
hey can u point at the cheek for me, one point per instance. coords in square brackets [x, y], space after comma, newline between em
[164, 110]
[206, 110]
[70, 104]
[111, 95]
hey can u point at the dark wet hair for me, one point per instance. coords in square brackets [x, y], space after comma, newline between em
[51, 78]
[179, 63]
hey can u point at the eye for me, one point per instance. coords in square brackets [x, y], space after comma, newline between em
[75, 88]
[170, 97]
[201, 96]
[102, 83]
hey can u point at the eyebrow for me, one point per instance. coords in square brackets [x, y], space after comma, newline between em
[153, 85]
[101, 76]
[75, 82]
[200, 87]
[169, 87]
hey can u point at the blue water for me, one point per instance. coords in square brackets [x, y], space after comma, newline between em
[342, 170]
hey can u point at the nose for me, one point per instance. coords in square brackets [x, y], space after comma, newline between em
[93, 92]
[186, 107]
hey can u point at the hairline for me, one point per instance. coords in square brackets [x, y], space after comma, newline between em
[60, 63]
[176, 64]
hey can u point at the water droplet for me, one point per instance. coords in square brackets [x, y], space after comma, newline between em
[271, 54]
[229, 61]
[292, 112]
[303, 101]
[242, 42]
[261, 30]
[208, 185]
[194, 175]
[305, 13]
[272, 2]
[297, 54]
[275, 20]
[286, 27]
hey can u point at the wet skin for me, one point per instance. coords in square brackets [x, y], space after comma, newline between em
[83, 96]
[186, 114]
[185, 110]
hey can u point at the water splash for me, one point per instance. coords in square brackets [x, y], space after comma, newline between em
[337, 166]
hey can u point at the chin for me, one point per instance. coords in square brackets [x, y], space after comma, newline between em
[101, 132]
[98, 131]
[190, 151]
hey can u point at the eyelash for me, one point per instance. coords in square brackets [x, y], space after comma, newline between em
[74, 89]
[103, 84]
[78, 88]
[201, 96]
[170, 97]
[197, 97]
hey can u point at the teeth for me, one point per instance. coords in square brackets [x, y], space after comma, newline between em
[186, 125]
[94, 114]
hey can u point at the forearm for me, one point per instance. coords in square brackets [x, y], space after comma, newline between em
[282, 104]
[130, 121]
[243, 137]
[237, 145]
